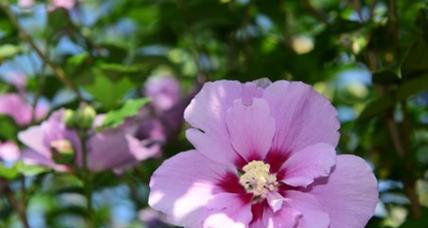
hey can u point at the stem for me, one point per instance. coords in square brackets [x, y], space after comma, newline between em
[14, 203]
[393, 23]
[314, 12]
[402, 146]
[58, 71]
[86, 177]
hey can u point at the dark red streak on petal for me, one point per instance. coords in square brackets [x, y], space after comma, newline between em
[276, 159]
[258, 210]
[230, 183]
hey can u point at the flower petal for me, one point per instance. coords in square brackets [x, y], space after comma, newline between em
[109, 149]
[275, 201]
[251, 128]
[226, 210]
[312, 162]
[33, 137]
[285, 217]
[349, 195]
[184, 184]
[32, 157]
[303, 117]
[163, 90]
[311, 209]
[9, 152]
[16, 107]
[206, 114]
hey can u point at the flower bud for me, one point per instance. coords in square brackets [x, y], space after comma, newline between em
[86, 117]
[62, 151]
[70, 118]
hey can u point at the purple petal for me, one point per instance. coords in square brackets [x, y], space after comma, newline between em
[349, 195]
[9, 151]
[32, 157]
[224, 210]
[164, 91]
[206, 114]
[112, 149]
[284, 217]
[33, 138]
[311, 209]
[185, 184]
[251, 128]
[39, 138]
[308, 164]
[16, 107]
[303, 117]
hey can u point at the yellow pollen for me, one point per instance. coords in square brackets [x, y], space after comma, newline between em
[257, 179]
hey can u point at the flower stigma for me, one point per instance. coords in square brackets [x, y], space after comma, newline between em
[257, 179]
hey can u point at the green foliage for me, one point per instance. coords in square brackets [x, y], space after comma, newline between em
[107, 91]
[115, 118]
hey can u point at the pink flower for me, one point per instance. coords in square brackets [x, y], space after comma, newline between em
[9, 152]
[110, 149]
[20, 110]
[163, 90]
[264, 157]
[162, 119]
[25, 3]
[66, 4]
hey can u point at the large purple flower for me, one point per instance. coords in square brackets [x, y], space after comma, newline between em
[110, 149]
[264, 157]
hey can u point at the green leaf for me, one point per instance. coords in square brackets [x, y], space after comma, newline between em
[130, 108]
[108, 92]
[9, 129]
[412, 87]
[58, 21]
[375, 107]
[8, 50]
[385, 77]
[29, 170]
[114, 70]
[415, 61]
[8, 172]
[417, 222]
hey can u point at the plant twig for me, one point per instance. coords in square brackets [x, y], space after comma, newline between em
[14, 203]
[86, 177]
[315, 12]
[58, 71]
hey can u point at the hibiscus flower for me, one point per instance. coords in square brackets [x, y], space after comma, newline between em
[263, 157]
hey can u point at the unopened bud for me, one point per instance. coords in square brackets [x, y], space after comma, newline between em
[70, 118]
[62, 151]
[87, 116]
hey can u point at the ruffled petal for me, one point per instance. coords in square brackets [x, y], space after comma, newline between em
[32, 157]
[226, 210]
[185, 184]
[108, 150]
[33, 138]
[349, 195]
[308, 164]
[310, 208]
[251, 128]
[303, 117]
[206, 114]
[284, 218]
